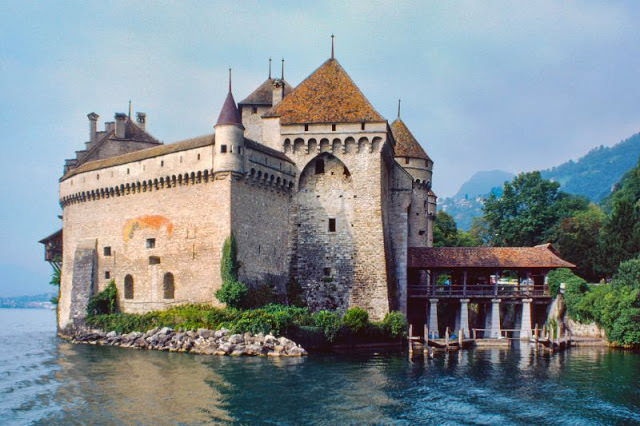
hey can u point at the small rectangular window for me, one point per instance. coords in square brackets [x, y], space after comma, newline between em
[162, 163]
[107, 251]
[151, 243]
[254, 110]
[362, 126]
[198, 156]
[406, 160]
[107, 275]
[154, 260]
[319, 166]
[223, 148]
[333, 127]
[306, 127]
[332, 225]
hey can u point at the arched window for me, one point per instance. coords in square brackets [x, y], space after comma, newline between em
[168, 286]
[128, 287]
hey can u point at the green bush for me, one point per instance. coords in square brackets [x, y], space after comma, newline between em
[614, 307]
[355, 319]
[328, 322]
[395, 324]
[279, 320]
[105, 302]
[232, 293]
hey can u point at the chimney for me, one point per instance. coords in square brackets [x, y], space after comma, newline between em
[141, 120]
[278, 92]
[121, 119]
[93, 123]
[109, 126]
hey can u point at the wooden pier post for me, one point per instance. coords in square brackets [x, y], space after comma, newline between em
[446, 337]
[410, 340]
[460, 338]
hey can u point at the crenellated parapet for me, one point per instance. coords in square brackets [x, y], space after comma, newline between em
[138, 187]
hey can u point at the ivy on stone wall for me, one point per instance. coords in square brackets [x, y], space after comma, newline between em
[232, 292]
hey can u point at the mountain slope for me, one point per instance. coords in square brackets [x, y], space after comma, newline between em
[468, 201]
[594, 174]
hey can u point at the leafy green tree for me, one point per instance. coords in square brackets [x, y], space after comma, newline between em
[577, 239]
[447, 234]
[527, 211]
[620, 236]
[445, 231]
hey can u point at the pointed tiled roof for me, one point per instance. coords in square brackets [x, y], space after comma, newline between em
[406, 143]
[229, 113]
[328, 95]
[263, 95]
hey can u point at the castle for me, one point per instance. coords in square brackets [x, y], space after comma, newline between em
[314, 184]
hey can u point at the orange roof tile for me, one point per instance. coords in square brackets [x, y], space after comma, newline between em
[328, 95]
[406, 143]
[543, 256]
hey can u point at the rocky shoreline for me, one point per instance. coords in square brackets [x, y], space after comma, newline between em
[202, 341]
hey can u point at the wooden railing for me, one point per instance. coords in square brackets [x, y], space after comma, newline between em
[478, 290]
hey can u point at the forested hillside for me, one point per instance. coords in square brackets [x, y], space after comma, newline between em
[594, 175]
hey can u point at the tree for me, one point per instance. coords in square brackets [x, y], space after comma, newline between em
[577, 239]
[447, 234]
[620, 236]
[445, 231]
[527, 211]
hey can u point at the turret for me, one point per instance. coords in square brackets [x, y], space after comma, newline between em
[410, 155]
[229, 138]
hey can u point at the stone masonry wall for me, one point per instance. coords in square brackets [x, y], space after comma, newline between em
[260, 224]
[188, 220]
[360, 248]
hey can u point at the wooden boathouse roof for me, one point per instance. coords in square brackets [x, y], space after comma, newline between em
[541, 256]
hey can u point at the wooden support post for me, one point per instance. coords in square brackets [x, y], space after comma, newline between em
[410, 340]
[446, 337]
[460, 337]
[464, 282]
[426, 335]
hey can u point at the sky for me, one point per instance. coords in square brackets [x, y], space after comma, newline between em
[516, 86]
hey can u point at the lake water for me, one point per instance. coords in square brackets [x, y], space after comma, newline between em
[45, 380]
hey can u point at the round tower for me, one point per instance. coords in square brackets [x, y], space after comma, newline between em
[410, 155]
[228, 153]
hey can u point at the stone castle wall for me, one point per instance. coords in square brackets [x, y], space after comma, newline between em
[347, 266]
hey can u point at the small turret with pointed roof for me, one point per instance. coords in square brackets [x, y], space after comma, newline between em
[409, 153]
[229, 137]
[229, 113]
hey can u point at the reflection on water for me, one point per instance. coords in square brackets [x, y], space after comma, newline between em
[45, 380]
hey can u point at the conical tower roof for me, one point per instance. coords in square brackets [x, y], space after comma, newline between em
[328, 95]
[229, 113]
[406, 143]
